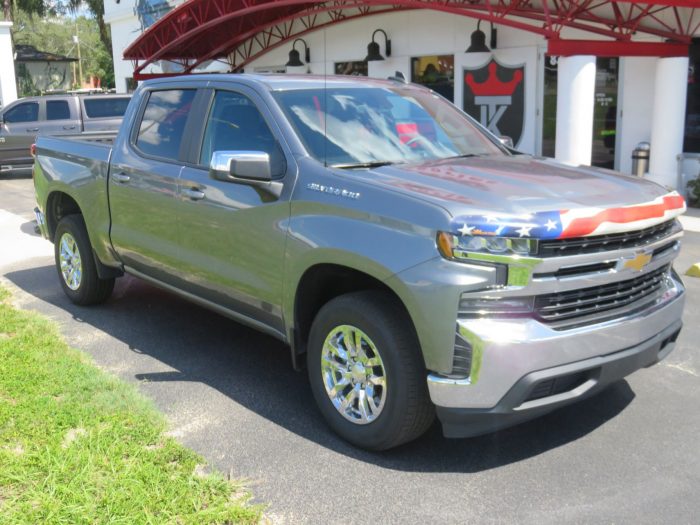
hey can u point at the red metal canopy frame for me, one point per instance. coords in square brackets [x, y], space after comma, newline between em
[239, 31]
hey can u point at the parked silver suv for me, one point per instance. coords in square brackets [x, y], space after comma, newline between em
[23, 120]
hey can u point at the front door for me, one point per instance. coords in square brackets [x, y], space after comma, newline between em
[233, 235]
[18, 132]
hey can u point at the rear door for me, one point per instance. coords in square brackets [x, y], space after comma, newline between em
[143, 183]
[62, 117]
[17, 133]
[232, 235]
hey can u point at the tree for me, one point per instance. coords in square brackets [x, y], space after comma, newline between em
[56, 7]
[97, 8]
[55, 34]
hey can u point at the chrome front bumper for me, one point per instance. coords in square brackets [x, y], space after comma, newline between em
[507, 350]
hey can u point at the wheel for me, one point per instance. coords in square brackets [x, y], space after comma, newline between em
[367, 372]
[75, 263]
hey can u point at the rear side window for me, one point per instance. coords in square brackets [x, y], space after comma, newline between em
[57, 110]
[25, 112]
[105, 107]
[163, 123]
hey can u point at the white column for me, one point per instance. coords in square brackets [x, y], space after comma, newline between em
[634, 103]
[668, 119]
[8, 85]
[575, 93]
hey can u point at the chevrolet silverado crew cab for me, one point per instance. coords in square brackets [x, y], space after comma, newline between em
[416, 265]
[97, 116]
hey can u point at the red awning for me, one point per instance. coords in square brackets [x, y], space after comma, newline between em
[239, 31]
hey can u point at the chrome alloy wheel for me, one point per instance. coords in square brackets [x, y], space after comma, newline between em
[71, 264]
[353, 374]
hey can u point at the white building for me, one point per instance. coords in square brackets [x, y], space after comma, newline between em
[593, 107]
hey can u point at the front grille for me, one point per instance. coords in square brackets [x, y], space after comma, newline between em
[598, 303]
[609, 242]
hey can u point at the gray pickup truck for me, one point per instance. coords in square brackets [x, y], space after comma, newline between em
[414, 264]
[95, 116]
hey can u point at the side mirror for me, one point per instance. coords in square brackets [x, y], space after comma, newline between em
[506, 141]
[240, 166]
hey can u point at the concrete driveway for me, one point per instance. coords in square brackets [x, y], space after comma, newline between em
[630, 454]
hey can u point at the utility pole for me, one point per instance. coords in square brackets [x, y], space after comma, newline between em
[76, 40]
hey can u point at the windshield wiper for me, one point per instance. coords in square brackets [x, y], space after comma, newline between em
[374, 164]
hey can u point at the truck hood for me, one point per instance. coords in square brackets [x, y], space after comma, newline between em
[524, 187]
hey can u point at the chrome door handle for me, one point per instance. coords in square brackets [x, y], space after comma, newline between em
[121, 177]
[193, 193]
[68, 127]
[32, 130]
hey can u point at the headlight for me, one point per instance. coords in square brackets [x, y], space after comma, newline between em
[459, 247]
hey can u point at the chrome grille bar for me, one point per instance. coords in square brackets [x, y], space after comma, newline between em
[573, 305]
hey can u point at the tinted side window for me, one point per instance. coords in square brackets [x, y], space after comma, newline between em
[57, 110]
[106, 107]
[236, 124]
[25, 112]
[163, 124]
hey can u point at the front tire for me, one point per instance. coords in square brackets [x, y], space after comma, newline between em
[75, 263]
[367, 372]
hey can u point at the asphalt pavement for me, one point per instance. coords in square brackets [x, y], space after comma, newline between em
[629, 455]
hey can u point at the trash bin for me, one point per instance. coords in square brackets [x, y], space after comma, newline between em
[640, 159]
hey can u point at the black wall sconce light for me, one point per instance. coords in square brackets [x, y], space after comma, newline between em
[294, 58]
[373, 47]
[478, 40]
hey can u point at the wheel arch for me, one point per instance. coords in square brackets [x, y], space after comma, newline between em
[319, 284]
[58, 205]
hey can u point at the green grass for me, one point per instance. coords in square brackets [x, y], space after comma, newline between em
[79, 446]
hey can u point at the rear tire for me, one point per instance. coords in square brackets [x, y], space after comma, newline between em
[377, 396]
[75, 263]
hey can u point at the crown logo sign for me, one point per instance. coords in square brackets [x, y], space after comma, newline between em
[493, 87]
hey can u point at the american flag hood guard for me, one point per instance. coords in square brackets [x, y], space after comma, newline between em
[566, 224]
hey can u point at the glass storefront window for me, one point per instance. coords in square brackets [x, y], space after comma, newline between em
[605, 112]
[549, 112]
[691, 144]
[356, 68]
[436, 72]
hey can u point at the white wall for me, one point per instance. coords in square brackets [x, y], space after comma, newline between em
[8, 86]
[125, 29]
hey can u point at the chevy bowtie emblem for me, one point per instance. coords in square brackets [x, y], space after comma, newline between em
[638, 262]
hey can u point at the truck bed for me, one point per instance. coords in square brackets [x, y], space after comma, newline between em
[78, 169]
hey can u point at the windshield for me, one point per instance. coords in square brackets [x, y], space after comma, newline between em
[372, 126]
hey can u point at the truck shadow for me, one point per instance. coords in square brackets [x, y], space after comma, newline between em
[254, 371]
